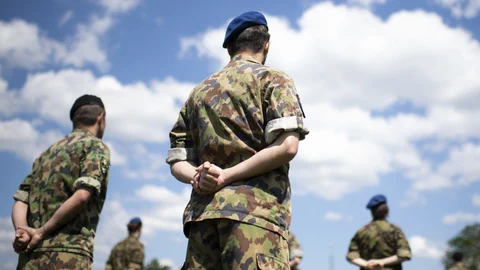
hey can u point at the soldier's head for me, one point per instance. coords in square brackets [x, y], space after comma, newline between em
[88, 112]
[378, 207]
[248, 33]
[134, 227]
[457, 257]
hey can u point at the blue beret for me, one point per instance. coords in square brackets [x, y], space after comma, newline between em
[376, 200]
[135, 220]
[85, 100]
[242, 22]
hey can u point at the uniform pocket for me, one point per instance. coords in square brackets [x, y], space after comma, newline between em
[270, 263]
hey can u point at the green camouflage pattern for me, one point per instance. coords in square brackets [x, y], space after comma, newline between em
[128, 254]
[227, 118]
[377, 240]
[228, 244]
[80, 160]
[53, 261]
[294, 249]
[458, 267]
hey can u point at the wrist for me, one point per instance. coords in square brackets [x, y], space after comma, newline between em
[228, 176]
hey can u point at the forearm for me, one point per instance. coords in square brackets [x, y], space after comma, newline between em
[19, 214]
[359, 262]
[183, 171]
[69, 210]
[392, 260]
[282, 151]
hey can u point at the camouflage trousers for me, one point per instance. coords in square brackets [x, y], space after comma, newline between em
[228, 244]
[53, 260]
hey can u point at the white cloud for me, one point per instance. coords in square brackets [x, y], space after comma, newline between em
[462, 164]
[423, 248]
[115, 157]
[118, 6]
[476, 200]
[8, 258]
[461, 217]
[335, 216]
[461, 8]
[66, 17]
[25, 46]
[366, 3]
[347, 62]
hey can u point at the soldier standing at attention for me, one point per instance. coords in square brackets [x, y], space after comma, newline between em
[458, 259]
[296, 252]
[242, 125]
[379, 244]
[58, 205]
[129, 253]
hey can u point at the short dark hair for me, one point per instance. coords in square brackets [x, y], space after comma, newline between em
[380, 211]
[87, 115]
[457, 257]
[252, 39]
[133, 227]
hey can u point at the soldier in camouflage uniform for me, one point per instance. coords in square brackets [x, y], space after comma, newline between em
[458, 258]
[129, 253]
[242, 125]
[379, 244]
[295, 251]
[58, 205]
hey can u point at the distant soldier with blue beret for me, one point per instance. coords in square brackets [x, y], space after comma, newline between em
[57, 207]
[129, 253]
[233, 141]
[379, 244]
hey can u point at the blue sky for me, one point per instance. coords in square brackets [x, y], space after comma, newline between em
[391, 90]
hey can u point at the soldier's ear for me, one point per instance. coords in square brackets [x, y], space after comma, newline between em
[100, 117]
[266, 47]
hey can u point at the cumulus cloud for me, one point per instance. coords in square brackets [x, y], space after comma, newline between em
[118, 6]
[7, 256]
[476, 200]
[334, 216]
[26, 46]
[347, 62]
[461, 8]
[424, 248]
[66, 17]
[366, 3]
[460, 217]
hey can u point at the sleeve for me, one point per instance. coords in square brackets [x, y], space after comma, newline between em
[181, 143]
[136, 258]
[94, 168]
[23, 191]
[403, 248]
[284, 111]
[353, 249]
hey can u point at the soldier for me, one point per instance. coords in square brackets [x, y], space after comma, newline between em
[59, 203]
[129, 253]
[242, 125]
[296, 252]
[458, 259]
[379, 244]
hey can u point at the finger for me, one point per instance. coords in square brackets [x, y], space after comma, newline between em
[199, 168]
[204, 185]
[206, 165]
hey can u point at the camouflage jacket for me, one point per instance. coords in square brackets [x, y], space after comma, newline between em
[128, 254]
[80, 160]
[227, 118]
[294, 248]
[377, 240]
[458, 267]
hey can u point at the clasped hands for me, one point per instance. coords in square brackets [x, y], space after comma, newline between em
[26, 239]
[208, 179]
[374, 265]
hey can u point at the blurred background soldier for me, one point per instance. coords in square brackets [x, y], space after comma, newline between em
[129, 253]
[58, 205]
[295, 250]
[458, 259]
[379, 244]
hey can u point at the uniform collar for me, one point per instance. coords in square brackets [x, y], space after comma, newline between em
[244, 57]
[82, 131]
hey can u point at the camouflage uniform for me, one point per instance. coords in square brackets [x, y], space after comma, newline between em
[377, 240]
[458, 267]
[295, 250]
[128, 254]
[229, 117]
[80, 160]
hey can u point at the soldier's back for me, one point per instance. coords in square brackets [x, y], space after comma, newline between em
[126, 255]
